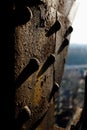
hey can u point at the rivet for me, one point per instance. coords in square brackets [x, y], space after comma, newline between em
[54, 90]
[32, 67]
[26, 111]
[53, 28]
[68, 31]
[21, 15]
[23, 116]
[50, 60]
[63, 45]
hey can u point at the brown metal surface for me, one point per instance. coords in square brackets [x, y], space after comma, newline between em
[34, 36]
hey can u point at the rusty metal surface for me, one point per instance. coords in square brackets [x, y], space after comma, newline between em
[35, 33]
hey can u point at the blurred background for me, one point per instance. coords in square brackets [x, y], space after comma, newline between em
[71, 93]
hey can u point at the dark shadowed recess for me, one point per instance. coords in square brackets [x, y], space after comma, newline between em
[6, 65]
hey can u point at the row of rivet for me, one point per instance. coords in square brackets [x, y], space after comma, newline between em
[65, 41]
[33, 66]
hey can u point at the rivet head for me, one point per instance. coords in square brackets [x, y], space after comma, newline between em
[23, 117]
[31, 67]
[56, 26]
[50, 60]
[26, 111]
[68, 31]
[54, 90]
[21, 15]
[25, 114]
[63, 45]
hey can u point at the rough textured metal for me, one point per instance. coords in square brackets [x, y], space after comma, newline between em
[26, 38]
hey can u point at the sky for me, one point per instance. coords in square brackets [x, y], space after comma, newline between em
[79, 34]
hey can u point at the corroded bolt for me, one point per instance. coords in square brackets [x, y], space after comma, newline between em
[63, 45]
[50, 60]
[21, 15]
[68, 31]
[32, 67]
[23, 116]
[53, 28]
[54, 90]
[26, 112]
